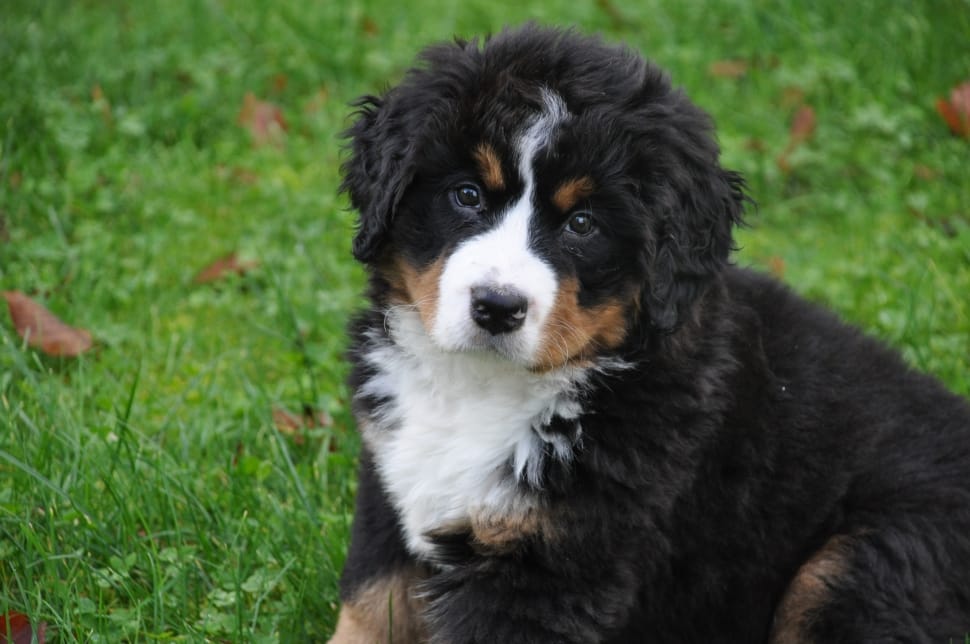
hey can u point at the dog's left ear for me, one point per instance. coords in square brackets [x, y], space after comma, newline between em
[699, 206]
[379, 169]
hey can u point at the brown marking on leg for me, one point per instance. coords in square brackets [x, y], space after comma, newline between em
[490, 167]
[489, 533]
[809, 590]
[572, 192]
[501, 535]
[413, 286]
[573, 334]
[384, 611]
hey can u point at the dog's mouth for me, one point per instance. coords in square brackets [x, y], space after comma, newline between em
[485, 333]
[504, 345]
[497, 316]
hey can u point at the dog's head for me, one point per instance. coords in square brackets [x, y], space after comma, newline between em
[538, 195]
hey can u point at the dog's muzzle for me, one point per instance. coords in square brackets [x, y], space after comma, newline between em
[498, 309]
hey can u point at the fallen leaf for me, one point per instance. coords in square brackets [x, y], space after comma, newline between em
[237, 174]
[791, 96]
[370, 27]
[614, 13]
[755, 145]
[43, 330]
[286, 421]
[21, 631]
[280, 81]
[728, 68]
[101, 102]
[184, 79]
[777, 266]
[802, 129]
[317, 101]
[925, 172]
[803, 125]
[263, 120]
[227, 265]
[956, 111]
[295, 425]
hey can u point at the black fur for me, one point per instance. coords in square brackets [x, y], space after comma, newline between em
[753, 428]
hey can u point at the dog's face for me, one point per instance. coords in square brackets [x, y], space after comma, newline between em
[539, 197]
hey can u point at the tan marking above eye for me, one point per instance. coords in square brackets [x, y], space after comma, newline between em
[490, 167]
[571, 192]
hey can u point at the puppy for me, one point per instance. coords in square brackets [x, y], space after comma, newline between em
[580, 422]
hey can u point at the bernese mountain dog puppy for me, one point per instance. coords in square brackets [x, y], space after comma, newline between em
[581, 423]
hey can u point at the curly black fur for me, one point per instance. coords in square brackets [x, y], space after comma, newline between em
[752, 429]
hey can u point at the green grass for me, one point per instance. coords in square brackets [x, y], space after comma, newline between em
[145, 493]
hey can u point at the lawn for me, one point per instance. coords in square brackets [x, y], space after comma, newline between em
[191, 477]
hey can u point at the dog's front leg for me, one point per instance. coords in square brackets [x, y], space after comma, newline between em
[378, 589]
[564, 593]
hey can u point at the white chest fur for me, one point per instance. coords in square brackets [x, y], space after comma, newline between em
[459, 430]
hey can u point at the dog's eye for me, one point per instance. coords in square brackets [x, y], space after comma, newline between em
[468, 196]
[580, 223]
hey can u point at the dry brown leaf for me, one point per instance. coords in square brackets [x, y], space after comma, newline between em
[777, 266]
[728, 68]
[244, 176]
[43, 330]
[925, 172]
[263, 120]
[615, 15]
[280, 81]
[220, 268]
[286, 421]
[295, 425]
[370, 27]
[802, 129]
[20, 628]
[317, 101]
[803, 125]
[956, 111]
[756, 145]
[101, 102]
[792, 96]
[237, 174]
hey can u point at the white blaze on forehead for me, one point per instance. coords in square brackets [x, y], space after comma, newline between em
[539, 133]
[501, 257]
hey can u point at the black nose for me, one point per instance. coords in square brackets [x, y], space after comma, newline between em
[498, 310]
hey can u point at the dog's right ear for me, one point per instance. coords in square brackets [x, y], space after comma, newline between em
[378, 170]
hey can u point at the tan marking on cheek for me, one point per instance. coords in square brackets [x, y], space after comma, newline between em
[808, 591]
[572, 192]
[416, 287]
[490, 167]
[390, 271]
[574, 335]
[385, 610]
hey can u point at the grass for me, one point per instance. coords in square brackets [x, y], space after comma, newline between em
[145, 491]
